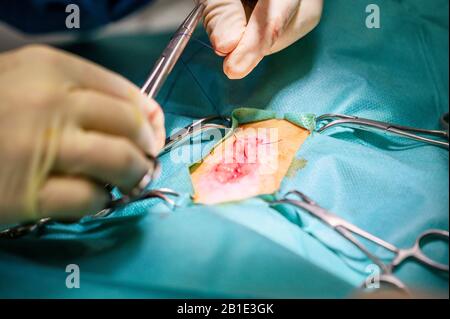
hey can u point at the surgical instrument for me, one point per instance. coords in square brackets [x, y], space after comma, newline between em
[348, 230]
[35, 227]
[197, 127]
[328, 121]
[172, 52]
[162, 193]
[163, 67]
[23, 229]
[191, 130]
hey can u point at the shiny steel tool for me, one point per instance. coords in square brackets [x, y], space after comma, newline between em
[197, 127]
[164, 194]
[348, 231]
[172, 53]
[434, 137]
[163, 67]
[35, 227]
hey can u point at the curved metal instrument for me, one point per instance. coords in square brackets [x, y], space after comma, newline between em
[348, 231]
[434, 137]
[35, 227]
[197, 127]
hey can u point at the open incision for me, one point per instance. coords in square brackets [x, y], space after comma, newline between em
[251, 162]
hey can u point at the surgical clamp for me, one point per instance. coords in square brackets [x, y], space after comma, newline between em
[197, 127]
[441, 138]
[348, 230]
[34, 227]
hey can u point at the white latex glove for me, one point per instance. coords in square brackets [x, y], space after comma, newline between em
[68, 127]
[245, 35]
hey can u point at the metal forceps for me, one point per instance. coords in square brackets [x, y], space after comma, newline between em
[434, 137]
[348, 231]
[191, 130]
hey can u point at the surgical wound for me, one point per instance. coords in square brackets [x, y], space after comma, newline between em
[252, 161]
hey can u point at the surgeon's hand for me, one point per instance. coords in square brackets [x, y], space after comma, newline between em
[68, 127]
[245, 33]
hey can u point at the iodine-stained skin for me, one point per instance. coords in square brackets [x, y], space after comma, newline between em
[251, 162]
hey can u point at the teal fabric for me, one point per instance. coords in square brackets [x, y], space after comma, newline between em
[391, 187]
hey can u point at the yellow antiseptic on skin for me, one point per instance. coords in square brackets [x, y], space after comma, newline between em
[252, 161]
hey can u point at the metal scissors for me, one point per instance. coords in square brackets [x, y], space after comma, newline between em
[348, 231]
[434, 137]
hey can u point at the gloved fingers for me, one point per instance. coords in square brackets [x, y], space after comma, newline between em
[70, 198]
[103, 113]
[267, 23]
[307, 18]
[104, 158]
[82, 74]
[8, 61]
[225, 22]
[78, 72]
[156, 119]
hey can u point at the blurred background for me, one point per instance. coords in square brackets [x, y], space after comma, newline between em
[157, 17]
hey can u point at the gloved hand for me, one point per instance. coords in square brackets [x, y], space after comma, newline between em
[245, 35]
[68, 127]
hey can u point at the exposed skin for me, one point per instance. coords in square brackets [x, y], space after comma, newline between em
[68, 127]
[245, 35]
[251, 162]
